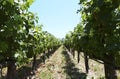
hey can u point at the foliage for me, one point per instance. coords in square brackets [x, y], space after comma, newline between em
[20, 35]
[98, 34]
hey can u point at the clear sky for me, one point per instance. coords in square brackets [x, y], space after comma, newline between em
[57, 16]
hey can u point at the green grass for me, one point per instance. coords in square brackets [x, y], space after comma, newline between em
[53, 66]
[45, 75]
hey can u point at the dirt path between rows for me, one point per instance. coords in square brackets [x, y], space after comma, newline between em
[60, 66]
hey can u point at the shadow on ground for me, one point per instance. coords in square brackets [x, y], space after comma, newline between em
[70, 69]
[26, 71]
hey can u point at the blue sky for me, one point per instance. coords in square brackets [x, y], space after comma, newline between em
[57, 16]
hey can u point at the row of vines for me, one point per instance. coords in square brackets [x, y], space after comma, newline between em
[21, 37]
[97, 36]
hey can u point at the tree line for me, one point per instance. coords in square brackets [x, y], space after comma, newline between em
[97, 36]
[21, 37]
